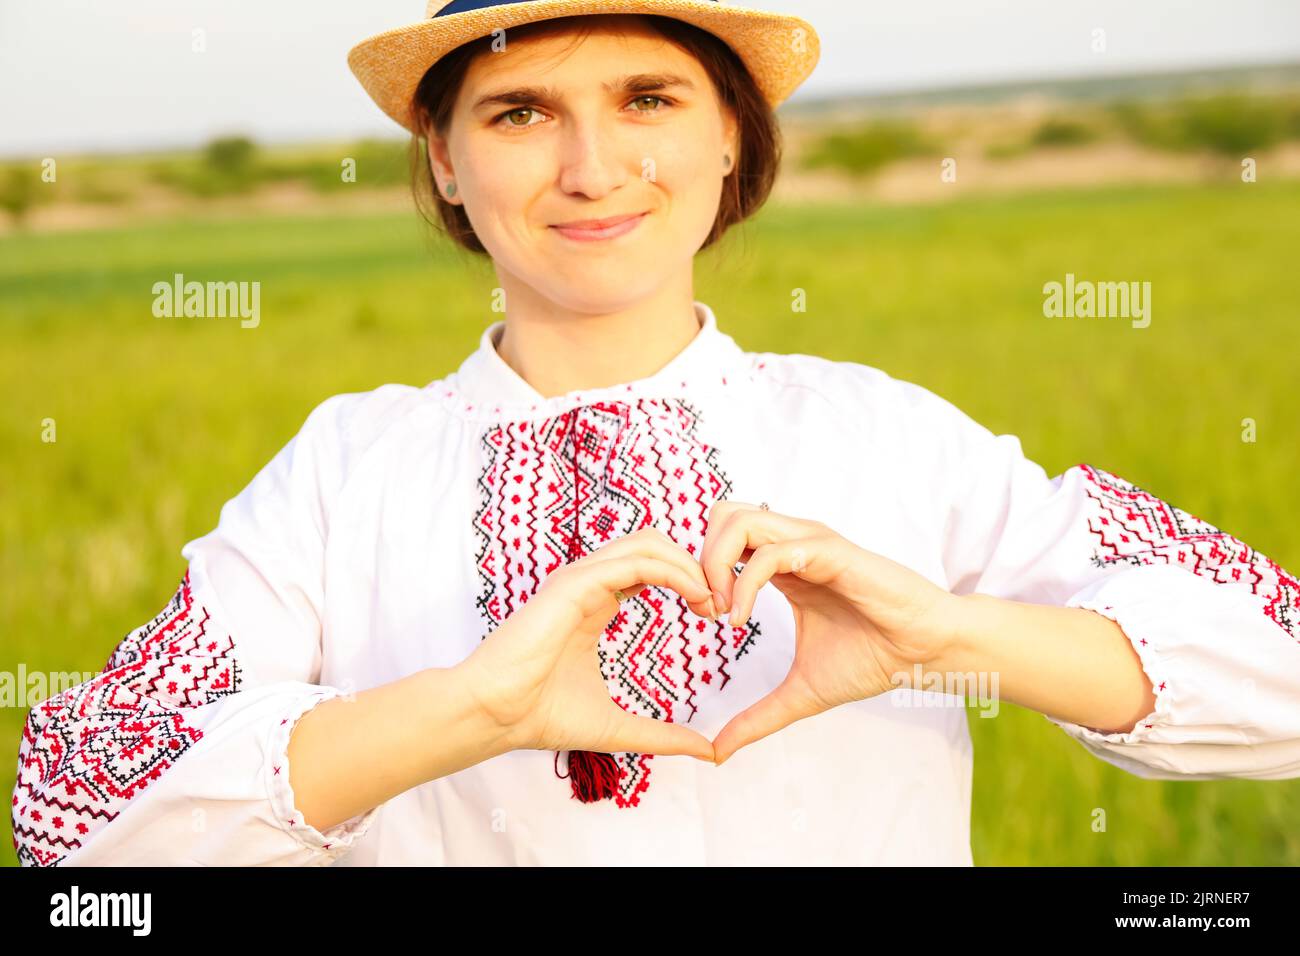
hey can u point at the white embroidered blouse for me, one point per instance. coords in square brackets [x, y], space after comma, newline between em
[401, 525]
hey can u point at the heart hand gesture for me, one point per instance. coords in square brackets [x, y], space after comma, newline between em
[538, 676]
[860, 618]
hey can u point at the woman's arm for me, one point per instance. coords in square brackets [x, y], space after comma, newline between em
[532, 684]
[175, 753]
[1206, 688]
[1066, 662]
[349, 754]
[1214, 623]
[171, 755]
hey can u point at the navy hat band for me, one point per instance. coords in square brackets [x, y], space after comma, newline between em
[464, 6]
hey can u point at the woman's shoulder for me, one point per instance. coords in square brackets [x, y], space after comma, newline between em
[837, 381]
[885, 410]
[345, 425]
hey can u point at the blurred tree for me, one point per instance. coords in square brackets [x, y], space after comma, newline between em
[230, 155]
[1233, 124]
[18, 193]
[1063, 132]
[870, 147]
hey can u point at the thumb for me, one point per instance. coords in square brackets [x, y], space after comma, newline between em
[781, 708]
[630, 733]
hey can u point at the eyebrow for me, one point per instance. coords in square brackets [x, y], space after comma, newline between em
[546, 95]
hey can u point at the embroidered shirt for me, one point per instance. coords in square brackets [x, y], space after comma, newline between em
[399, 526]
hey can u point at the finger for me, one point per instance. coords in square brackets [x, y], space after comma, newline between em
[701, 604]
[719, 567]
[633, 734]
[742, 526]
[795, 556]
[777, 710]
[653, 542]
[635, 571]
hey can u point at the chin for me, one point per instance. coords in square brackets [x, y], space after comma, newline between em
[608, 296]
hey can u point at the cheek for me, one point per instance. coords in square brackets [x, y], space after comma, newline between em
[501, 195]
[690, 178]
[684, 162]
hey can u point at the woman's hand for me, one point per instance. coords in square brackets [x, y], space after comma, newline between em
[860, 618]
[538, 674]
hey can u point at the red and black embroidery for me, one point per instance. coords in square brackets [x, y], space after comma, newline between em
[85, 753]
[1135, 527]
[558, 488]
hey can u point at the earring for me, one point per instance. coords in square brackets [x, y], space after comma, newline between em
[451, 188]
[726, 161]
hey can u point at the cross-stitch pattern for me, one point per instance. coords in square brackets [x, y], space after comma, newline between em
[556, 489]
[85, 753]
[1135, 527]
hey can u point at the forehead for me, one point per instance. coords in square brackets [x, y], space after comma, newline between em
[623, 43]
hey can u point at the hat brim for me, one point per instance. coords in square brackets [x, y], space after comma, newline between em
[780, 51]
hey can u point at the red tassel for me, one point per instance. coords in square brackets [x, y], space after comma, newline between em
[593, 776]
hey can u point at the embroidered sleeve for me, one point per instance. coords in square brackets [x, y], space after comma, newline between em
[176, 753]
[1215, 623]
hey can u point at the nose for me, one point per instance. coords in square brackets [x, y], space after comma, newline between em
[594, 158]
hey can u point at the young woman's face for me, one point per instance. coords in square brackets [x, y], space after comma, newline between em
[546, 133]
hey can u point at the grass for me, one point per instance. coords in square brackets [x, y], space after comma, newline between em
[160, 421]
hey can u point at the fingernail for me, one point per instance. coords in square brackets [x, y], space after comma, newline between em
[720, 601]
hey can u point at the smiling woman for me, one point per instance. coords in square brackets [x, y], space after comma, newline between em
[431, 594]
[715, 89]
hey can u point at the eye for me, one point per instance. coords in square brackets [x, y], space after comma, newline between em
[516, 110]
[662, 99]
[502, 118]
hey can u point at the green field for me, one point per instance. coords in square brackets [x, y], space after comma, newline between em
[160, 421]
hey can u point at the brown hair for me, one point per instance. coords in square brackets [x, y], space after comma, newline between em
[743, 191]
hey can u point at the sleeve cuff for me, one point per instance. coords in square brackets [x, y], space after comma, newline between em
[1124, 599]
[333, 842]
[1224, 679]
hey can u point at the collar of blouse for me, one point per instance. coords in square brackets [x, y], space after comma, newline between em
[485, 386]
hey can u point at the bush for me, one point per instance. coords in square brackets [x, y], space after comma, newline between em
[1233, 125]
[379, 163]
[382, 162]
[1062, 132]
[230, 155]
[1227, 123]
[18, 191]
[226, 165]
[870, 148]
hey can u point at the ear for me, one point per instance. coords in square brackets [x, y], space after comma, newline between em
[439, 160]
[731, 139]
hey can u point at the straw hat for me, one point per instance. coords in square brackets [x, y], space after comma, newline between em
[780, 51]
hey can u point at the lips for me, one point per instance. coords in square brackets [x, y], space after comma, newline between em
[586, 230]
[597, 223]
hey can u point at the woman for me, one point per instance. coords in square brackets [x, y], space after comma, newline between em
[498, 619]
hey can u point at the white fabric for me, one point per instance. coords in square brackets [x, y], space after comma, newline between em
[352, 560]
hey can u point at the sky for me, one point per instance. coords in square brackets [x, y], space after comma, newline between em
[77, 75]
